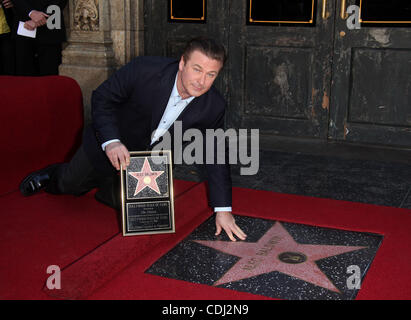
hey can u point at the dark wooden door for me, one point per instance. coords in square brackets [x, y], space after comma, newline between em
[280, 66]
[295, 69]
[371, 84]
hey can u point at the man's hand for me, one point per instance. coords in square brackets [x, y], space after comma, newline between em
[118, 154]
[7, 4]
[40, 18]
[30, 25]
[225, 220]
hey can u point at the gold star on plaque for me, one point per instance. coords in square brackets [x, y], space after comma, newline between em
[146, 178]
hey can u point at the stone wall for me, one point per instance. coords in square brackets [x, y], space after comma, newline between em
[102, 35]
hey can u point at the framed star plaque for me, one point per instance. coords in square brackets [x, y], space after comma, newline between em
[147, 194]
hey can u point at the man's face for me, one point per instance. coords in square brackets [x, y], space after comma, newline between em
[197, 74]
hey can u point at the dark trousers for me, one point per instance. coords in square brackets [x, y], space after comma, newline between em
[7, 55]
[78, 177]
[36, 59]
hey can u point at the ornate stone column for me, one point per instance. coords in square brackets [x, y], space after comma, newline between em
[103, 35]
[127, 29]
[88, 56]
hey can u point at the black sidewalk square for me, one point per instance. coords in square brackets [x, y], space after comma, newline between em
[278, 259]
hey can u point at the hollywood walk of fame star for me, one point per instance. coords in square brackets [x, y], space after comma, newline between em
[276, 250]
[146, 178]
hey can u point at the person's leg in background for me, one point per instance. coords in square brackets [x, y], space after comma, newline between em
[25, 56]
[49, 59]
[7, 55]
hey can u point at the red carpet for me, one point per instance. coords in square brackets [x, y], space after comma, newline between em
[98, 264]
[57, 230]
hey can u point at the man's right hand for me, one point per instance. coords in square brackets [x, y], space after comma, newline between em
[7, 4]
[40, 18]
[118, 154]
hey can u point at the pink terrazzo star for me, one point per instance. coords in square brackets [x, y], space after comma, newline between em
[146, 178]
[277, 251]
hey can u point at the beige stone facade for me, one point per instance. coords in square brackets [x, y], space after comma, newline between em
[102, 36]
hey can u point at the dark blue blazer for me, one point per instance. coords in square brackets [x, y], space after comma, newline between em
[129, 106]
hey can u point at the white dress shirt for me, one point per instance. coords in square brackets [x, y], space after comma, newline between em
[175, 106]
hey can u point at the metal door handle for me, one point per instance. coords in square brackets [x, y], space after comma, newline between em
[344, 14]
[324, 13]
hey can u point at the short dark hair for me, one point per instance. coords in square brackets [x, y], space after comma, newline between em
[207, 46]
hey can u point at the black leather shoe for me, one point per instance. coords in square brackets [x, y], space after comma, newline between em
[37, 180]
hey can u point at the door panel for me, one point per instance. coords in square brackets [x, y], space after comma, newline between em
[371, 87]
[380, 103]
[280, 67]
[288, 85]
